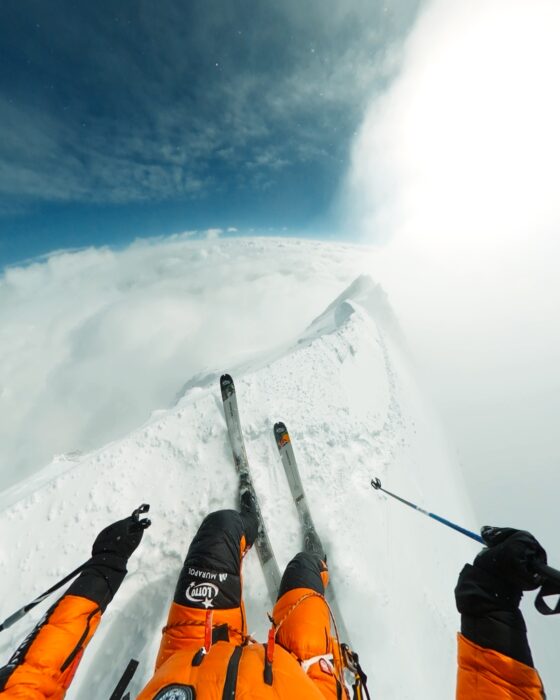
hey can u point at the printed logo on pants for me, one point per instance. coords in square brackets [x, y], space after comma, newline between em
[176, 692]
[203, 589]
[202, 593]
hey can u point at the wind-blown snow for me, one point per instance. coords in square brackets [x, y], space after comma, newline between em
[92, 341]
[347, 394]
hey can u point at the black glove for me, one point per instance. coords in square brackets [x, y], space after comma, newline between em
[104, 573]
[513, 556]
[123, 537]
[488, 593]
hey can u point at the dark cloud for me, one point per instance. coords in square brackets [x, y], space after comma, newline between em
[151, 101]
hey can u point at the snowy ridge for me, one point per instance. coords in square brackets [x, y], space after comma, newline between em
[350, 402]
[363, 291]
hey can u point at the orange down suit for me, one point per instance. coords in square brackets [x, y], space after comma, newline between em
[204, 644]
[44, 665]
[494, 657]
[485, 674]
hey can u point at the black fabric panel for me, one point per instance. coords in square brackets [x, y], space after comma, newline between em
[210, 577]
[100, 580]
[220, 634]
[490, 615]
[304, 571]
[504, 632]
[478, 593]
[216, 544]
[231, 674]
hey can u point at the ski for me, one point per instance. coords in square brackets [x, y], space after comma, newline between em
[262, 543]
[311, 539]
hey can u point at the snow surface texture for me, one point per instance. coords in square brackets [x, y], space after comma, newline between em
[92, 341]
[349, 400]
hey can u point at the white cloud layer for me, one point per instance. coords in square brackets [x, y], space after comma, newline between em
[93, 341]
[455, 170]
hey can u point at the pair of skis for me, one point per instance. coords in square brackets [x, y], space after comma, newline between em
[311, 539]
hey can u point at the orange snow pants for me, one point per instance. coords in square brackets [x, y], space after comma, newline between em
[485, 674]
[44, 665]
[205, 648]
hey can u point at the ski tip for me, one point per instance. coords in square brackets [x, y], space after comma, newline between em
[226, 385]
[281, 434]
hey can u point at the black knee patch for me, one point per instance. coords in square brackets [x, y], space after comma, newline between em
[210, 577]
[304, 571]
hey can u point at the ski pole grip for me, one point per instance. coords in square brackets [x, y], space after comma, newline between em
[145, 522]
[376, 483]
[547, 572]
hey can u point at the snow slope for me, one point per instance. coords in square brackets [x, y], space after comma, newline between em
[348, 396]
[92, 341]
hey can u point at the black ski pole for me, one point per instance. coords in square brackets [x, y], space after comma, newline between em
[376, 483]
[14, 617]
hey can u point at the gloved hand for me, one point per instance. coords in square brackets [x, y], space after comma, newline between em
[123, 537]
[489, 591]
[512, 556]
[104, 573]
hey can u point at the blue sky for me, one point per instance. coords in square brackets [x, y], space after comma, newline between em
[136, 119]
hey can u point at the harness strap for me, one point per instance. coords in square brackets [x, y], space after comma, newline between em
[337, 667]
[208, 630]
[231, 674]
[306, 665]
[352, 663]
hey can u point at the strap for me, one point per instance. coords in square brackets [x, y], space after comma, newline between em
[306, 665]
[548, 588]
[269, 656]
[338, 670]
[269, 647]
[208, 632]
[352, 663]
[126, 677]
[231, 674]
